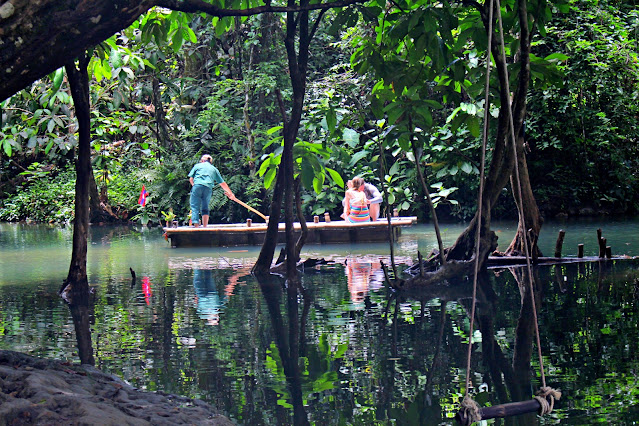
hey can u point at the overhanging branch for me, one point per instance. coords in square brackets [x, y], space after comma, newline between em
[193, 6]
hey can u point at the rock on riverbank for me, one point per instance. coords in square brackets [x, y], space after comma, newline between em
[47, 392]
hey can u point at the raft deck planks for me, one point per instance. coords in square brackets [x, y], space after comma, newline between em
[239, 234]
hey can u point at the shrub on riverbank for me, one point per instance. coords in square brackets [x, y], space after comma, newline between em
[46, 196]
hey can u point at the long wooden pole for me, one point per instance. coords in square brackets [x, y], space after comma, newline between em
[241, 203]
[501, 411]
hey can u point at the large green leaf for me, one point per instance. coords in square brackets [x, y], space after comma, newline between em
[351, 137]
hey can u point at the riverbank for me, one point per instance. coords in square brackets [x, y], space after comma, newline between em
[48, 392]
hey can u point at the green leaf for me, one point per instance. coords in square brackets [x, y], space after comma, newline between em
[351, 137]
[274, 129]
[358, 156]
[269, 177]
[318, 183]
[177, 41]
[331, 120]
[337, 178]
[48, 147]
[556, 56]
[191, 35]
[307, 174]
[6, 146]
[58, 77]
[394, 169]
[473, 125]
[115, 58]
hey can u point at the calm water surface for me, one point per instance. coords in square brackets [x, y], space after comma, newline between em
[196, 323]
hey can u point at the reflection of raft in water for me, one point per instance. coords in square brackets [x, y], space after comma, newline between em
[240, 234]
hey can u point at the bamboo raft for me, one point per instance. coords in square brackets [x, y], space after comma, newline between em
[249, 234]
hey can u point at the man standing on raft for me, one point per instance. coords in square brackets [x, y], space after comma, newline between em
[203, 177]
[374, 200]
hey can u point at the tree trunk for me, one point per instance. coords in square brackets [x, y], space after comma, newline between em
[96, 212]
[77, 284]
[298, 65]
[265, 258]
[503, 158]
[302, 220]
[160, 117]
[531, 217]
[528, 210]
[79, 82]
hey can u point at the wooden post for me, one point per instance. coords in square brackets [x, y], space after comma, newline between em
[249, 222]
[580, 250]
[395, 213]
[601, 250]
[602, 247]
[560, 242]
[421, 263]
[327, 217]
[316, 219]
[608, 252]
[502, 410]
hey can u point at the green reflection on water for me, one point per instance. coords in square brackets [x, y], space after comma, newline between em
[196, 323]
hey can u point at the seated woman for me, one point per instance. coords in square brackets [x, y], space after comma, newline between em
[355, 205]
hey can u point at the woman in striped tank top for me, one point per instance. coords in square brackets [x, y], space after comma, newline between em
[356, 206]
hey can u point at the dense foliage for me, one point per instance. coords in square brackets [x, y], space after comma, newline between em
[174, 86]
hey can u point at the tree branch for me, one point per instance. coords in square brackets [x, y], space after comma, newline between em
[193, 6]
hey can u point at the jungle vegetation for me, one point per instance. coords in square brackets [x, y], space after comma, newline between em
[294, 100]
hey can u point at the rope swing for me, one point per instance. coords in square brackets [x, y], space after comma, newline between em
[543, 403]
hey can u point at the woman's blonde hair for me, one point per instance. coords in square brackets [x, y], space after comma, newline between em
[357, 183]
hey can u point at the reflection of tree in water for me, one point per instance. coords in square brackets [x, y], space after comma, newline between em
[289, 335]
[509, 381]
[81, 307]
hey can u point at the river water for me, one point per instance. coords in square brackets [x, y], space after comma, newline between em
[196, 323]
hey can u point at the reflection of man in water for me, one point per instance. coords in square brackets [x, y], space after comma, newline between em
[209, 303]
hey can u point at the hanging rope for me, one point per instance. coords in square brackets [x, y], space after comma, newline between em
[480, 201]
[546, 393]
[471, 411]
[520, 207]
[546, 396]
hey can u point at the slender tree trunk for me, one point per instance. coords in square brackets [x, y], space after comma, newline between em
[529, 212]
[298, 65]
[531, 216]
[77, 285]
[422, 180]
[302, 220]
[160, 115]
[79, 82]
[96, 212]
[265, 258]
